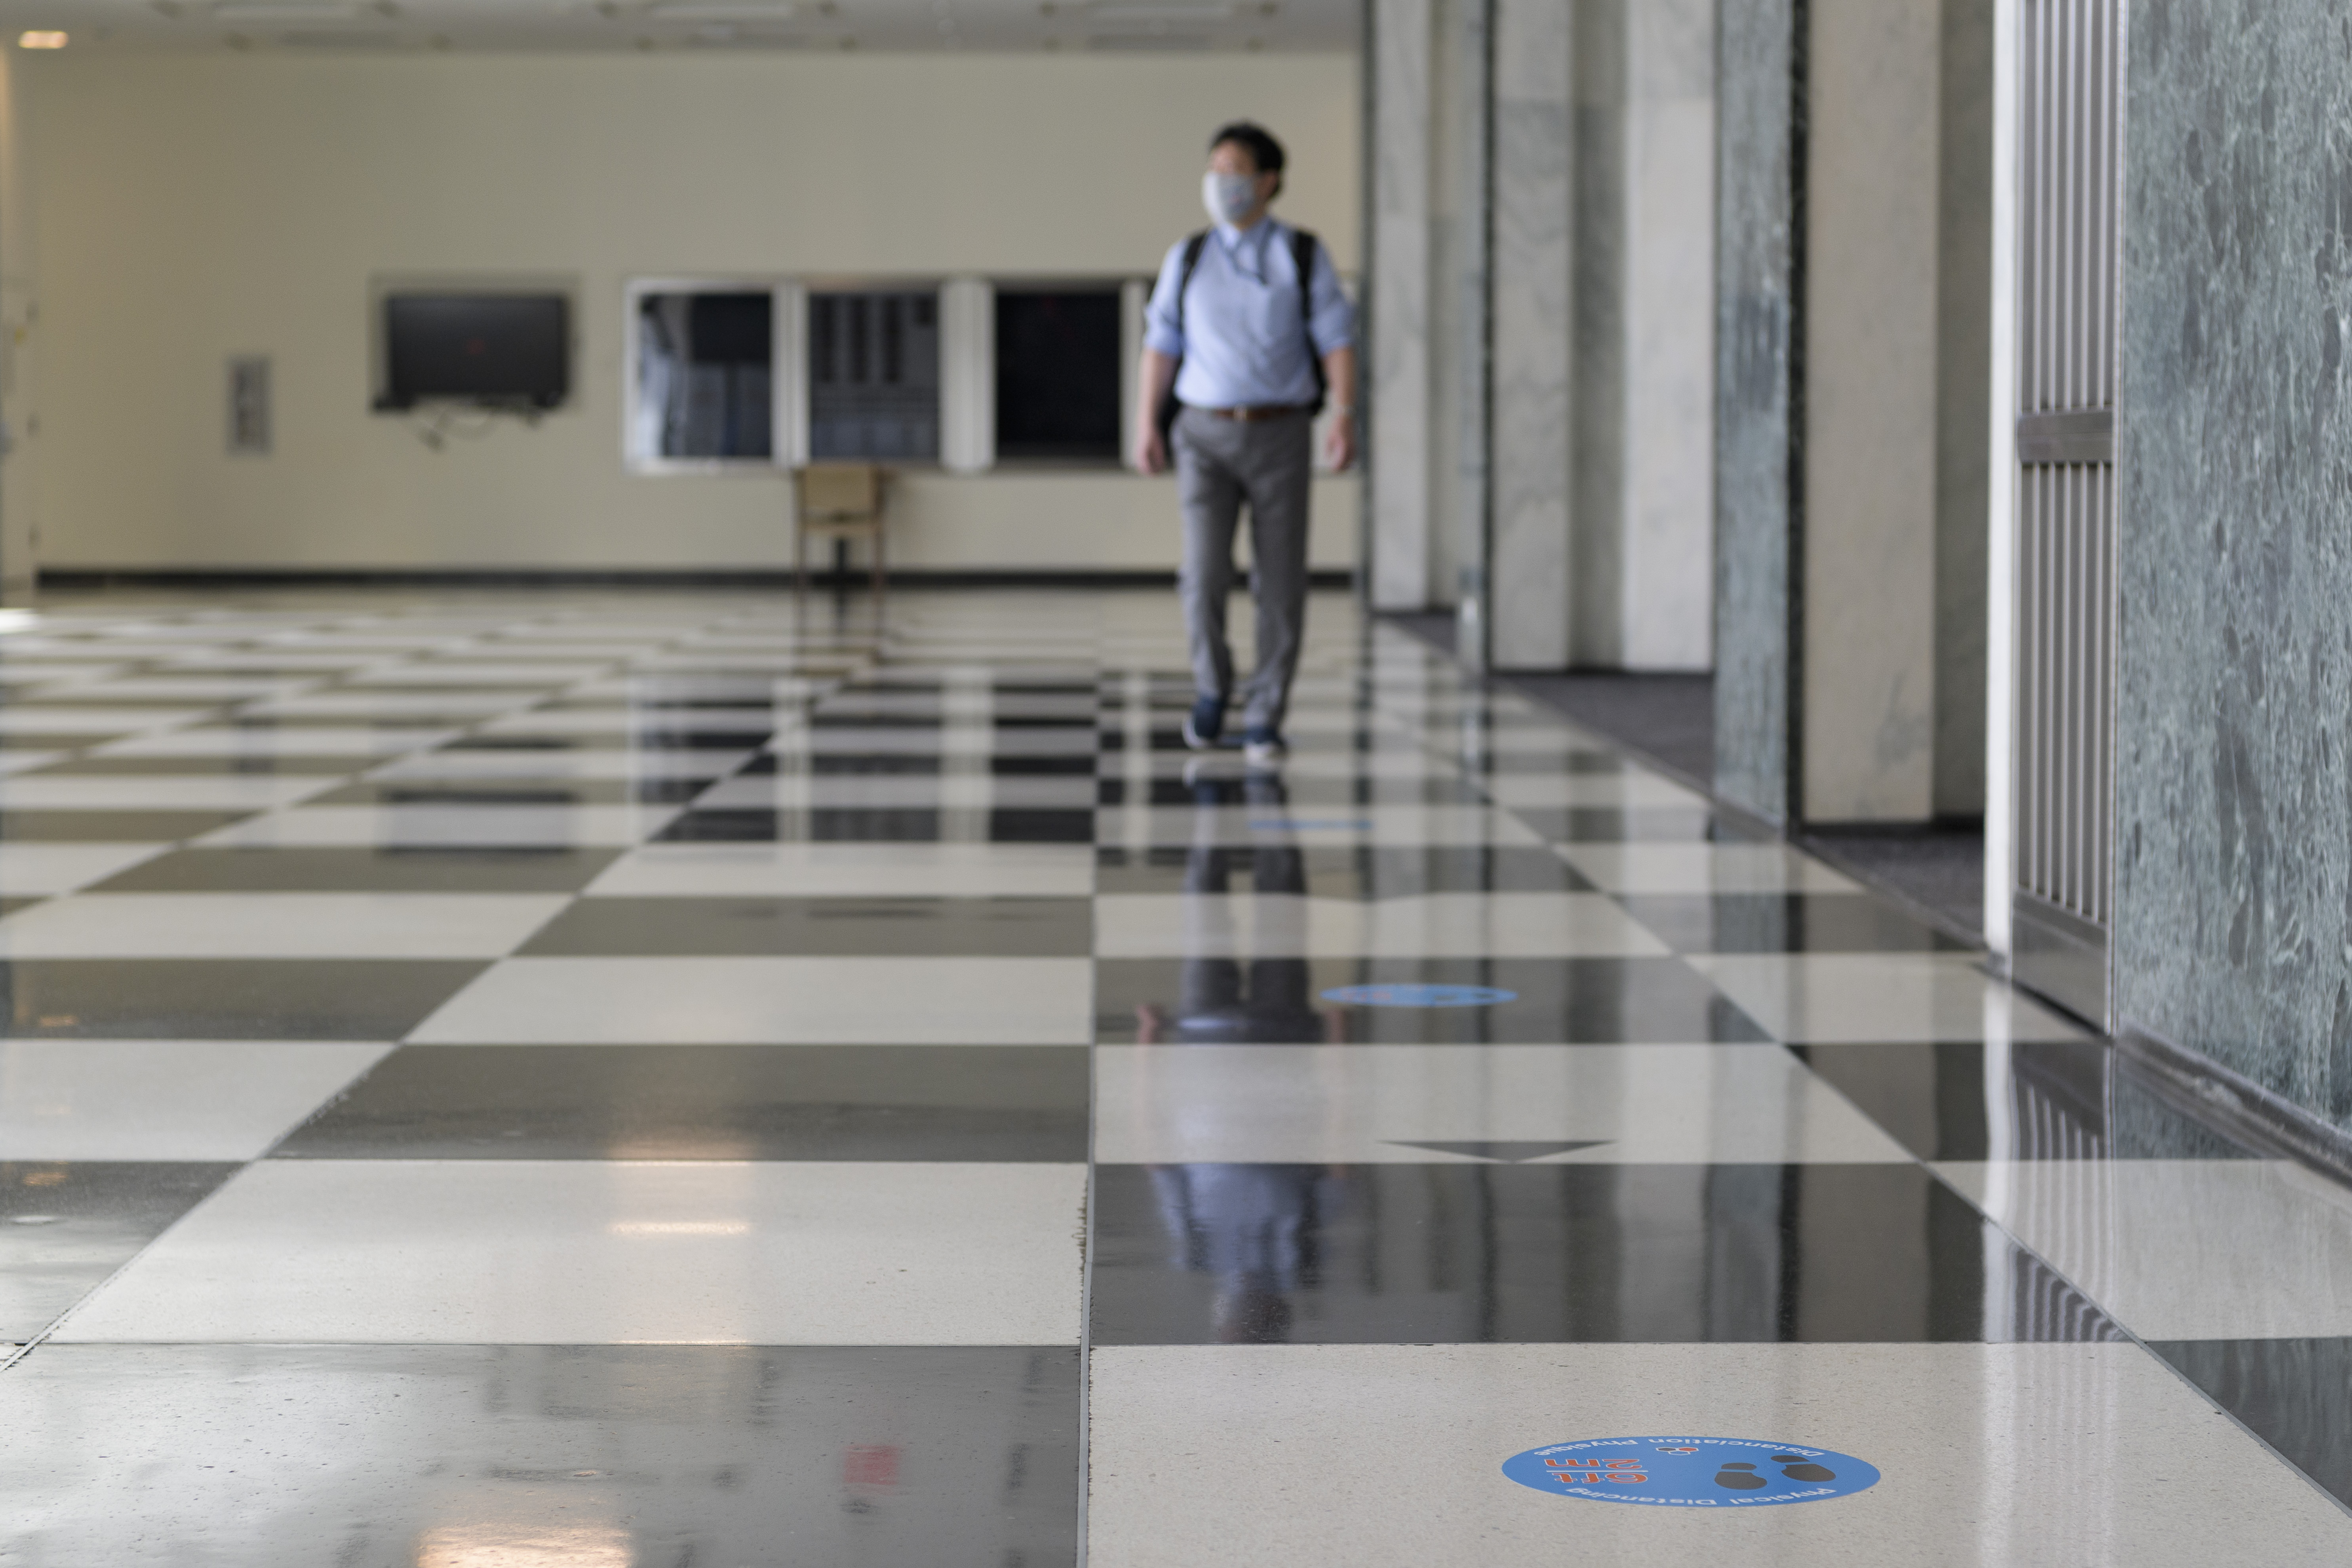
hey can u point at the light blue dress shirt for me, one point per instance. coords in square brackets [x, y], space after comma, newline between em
[1242, 343]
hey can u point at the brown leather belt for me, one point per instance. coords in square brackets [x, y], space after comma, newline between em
[1263, 411]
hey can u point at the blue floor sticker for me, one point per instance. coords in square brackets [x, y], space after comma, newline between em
[1690, 1472]
[1310, 825]
[1419, 996]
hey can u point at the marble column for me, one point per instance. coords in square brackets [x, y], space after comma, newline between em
[1760, 401]
[1532, 229]
[1400, 39]
[2232, 930]
[1832, 473]
[1871, 409]
[1643, 355]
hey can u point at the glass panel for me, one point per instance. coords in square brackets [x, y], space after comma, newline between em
[1057, 368]
[704, 367]
[874, 377]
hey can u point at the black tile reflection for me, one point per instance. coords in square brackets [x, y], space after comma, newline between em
[65, 1225]
[733, 927]
[2294, 1395]
[648, 737]
[710, 1103]
[1576, 1000]
[224, 999]
[2058, 1100]
[515, 792]
[961, 1456]
[112, 826]
[1637, 824]
[1559, 1254]
[1785, 922]
[928, 764]
[381, 868]
[384, 868]
[1340, 871]
[1436, 790]
[851, 825]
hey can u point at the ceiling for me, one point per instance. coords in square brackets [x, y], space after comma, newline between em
[423, 26]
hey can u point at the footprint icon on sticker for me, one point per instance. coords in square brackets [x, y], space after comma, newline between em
[1797, 1467]
[1740, 1477]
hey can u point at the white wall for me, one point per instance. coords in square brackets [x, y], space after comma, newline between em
[194, 208]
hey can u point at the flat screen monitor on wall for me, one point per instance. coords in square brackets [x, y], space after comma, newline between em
[490, 348]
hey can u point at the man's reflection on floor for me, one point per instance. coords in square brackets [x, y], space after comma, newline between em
[1253, 1226]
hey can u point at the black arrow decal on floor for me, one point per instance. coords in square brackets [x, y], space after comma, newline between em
[1508, 1153]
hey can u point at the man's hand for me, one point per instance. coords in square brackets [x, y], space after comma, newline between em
[1150, 449]
[1339, 442]
[1155, 374]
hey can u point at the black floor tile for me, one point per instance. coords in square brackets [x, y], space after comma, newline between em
[224, 999]
[2061, 1100]
[383, 869]
[515, 792]
[1335, 871]
[1561, 1254]
[1576, 1000]
[1636, 825]
[710, 1103]
[849, 824]
[112, 826]
[714, 1455]
[2294, 1395]
[723, 927]
[65, 1225]
[922, 765]
[1785, 922]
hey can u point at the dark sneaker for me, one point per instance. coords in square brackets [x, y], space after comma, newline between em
[1263, 748]
[1205, 723]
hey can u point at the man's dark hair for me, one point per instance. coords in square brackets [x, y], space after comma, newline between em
[1264, 152]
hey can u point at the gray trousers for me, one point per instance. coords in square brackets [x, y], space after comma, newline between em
[1219, 464]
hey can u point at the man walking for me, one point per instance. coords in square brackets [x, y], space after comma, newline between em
[1246, 337]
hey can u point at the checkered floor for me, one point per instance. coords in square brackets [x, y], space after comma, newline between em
[689, 1080]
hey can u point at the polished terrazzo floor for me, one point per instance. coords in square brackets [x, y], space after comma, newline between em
[510, 1080]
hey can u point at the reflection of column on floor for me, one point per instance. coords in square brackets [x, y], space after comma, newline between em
[967, 729]
[1135, 741]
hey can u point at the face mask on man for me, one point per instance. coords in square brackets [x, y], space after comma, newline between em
[1228, 197]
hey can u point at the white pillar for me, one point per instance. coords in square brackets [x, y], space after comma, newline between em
[1399, 64]
[967, 375]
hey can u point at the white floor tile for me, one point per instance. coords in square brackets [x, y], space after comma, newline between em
[771, 1001]
[277, 925]
[1701, 868]
[582, 1252]
[1440, 925]
[34, 870]
[1140, 827]
[160, 791]
[165, 1100]
[385, 704]
[525, 826]
[2184, 1249]
[1389, 1456]
[851, 871]
[1828, 998]
[94, 720]
[1363, 1104]
[256, 741]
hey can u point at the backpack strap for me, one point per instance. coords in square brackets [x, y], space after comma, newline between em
[1303, 246]
[1192, 249]
[1164, 416]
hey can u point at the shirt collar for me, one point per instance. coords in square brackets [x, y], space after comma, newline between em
[1250, 243]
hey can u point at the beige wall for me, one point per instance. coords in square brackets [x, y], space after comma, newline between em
[189, 209]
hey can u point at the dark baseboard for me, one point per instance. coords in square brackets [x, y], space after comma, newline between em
[71, 578]
[2227, 1101]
